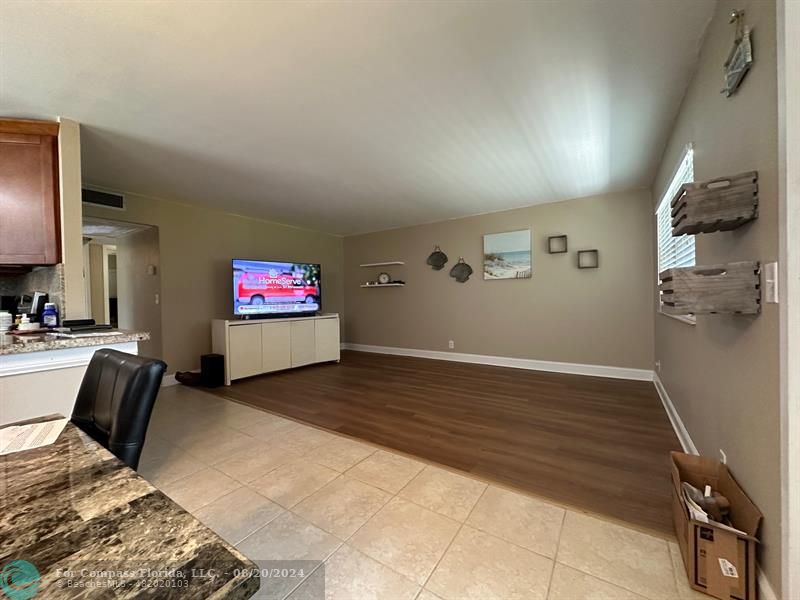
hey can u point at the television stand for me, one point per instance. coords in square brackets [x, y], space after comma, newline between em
[268, 317]
[253, 347]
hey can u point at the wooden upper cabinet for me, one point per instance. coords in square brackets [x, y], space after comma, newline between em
[30, 230]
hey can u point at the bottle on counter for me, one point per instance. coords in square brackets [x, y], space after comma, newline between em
[25, 324]
[50, 315]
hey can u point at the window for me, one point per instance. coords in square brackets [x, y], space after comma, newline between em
[675, 251]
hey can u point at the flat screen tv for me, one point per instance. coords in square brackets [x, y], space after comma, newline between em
[270, 289]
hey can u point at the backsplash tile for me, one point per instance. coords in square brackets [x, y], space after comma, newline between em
[40, 279]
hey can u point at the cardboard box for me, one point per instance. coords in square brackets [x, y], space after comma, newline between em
[718, 561]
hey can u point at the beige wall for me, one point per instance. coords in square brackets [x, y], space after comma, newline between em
[196, 247]
[722, 374]
[73, 304]
[137, 288]
[593, 316]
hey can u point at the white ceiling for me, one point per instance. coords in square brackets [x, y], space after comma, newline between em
[93, 227]
[349, 117]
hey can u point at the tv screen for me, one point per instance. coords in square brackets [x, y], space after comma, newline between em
[263, 288]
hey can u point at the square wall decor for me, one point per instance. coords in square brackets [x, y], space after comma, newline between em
[557, 244]
[588, 259]
[507, 255]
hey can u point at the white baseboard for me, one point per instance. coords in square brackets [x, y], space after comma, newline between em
[765, 590]
[515, 363]
[677, 424]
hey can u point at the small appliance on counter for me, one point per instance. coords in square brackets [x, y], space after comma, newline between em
[9, 304]
[32, 305]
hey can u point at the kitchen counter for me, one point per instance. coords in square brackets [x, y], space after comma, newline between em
[72, 508]
[20, 344]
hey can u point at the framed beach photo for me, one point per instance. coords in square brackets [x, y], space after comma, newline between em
[507, 255]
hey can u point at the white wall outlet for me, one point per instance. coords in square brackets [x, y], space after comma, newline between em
[658, 366]
[451, 344]
[771, 289]
[723, 458]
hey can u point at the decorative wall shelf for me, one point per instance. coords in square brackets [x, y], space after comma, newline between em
[382, 285]
[557, 244]
[588, 259]
[383, 264]
[719, 204]
[733, 288]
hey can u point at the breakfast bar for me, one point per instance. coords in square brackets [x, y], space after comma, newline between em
[77, 522]
[40, 374]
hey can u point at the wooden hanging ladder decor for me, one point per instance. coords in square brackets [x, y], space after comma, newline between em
[732, 288]
[719, 204]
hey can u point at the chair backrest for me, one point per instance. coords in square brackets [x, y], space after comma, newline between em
[116, 399]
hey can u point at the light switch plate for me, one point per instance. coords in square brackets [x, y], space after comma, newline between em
[771, 289]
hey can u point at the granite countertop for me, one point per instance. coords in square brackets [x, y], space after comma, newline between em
[72, 509]
[39, 342]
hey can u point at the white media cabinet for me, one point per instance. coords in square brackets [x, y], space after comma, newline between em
[254, 347]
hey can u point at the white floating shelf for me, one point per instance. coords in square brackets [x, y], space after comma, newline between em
[383, 264]
[380, 285]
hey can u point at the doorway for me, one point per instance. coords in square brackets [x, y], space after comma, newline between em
[122, 278]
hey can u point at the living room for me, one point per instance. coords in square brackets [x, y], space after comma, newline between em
[428, 311]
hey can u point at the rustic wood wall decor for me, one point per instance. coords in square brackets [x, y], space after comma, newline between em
[732, 288]
[719, 204]
[740, 58]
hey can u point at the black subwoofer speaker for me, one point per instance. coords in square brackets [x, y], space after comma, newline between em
[212, 370]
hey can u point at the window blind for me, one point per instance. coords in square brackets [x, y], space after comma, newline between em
[675, 251]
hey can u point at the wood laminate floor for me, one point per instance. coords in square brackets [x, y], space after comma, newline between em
[593, 443]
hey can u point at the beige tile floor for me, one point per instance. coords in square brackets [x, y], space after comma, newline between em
[386, 527]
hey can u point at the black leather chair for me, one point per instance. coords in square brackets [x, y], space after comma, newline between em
[116, 399]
